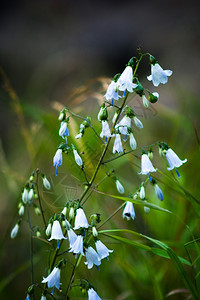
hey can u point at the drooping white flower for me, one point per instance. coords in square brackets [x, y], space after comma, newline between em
[77, 246]
[57, 160]
[78, 136]
[137, 122]
[77, 158]
[71, 236]
[80, 219]
[46, 183]
[146, 165]
[142, 192]
[102, 250]
[133, 143]
[92, 257]
[14, 231]
[63, 131]
[119, 187]
[117, 147]
[105, 130]
[158, 75]
[43, 297]
[92, 295]
[124, 124]
[158, 192]
[53, 279]
[56, 232]
[173, 160]
[125, 81]
[129, 211]
[145, 101]
[112, 92]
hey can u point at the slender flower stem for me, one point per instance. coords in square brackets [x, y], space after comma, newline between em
[72, 275]
[39, 199]
[31, 248]
[80, 117]
[113, 214]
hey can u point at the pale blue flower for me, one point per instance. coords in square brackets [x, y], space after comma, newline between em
[64, 131]
[77, 158]
[117, 147]
[57, 160]
[53, 280]
[71, 236]
[80, 219]
[92, 295]
[102, 250]
[92, 258]
[125, 81]
[129, 211]
[112, 92]
[158, 75]
[77, 246]
[158, 192]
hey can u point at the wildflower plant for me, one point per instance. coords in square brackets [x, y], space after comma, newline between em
[75, 236]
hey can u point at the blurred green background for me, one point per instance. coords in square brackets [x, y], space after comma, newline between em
[57, 53]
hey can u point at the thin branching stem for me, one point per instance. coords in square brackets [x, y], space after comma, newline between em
[31, 248]
[39, 199]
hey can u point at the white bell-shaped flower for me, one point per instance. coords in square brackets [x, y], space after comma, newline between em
[57, 160]
[92, 257]
[119, 187]
[71, 236]
[117, 147]
[102, 250]
[80, 219]
[92, 295]
[64, 131]
[146, 165]
[128, 211]
[125, 81]
[77, 246]
[77, 158]
[112, 92]
[56, 231]
[173, 160]
[133, 143]
[123, 125]
[158, 75]
[105, 130]
[53, 280]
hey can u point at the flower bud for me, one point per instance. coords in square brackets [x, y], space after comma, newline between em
[71, 212]
[64, 211]
[139, 89]
[142, 192]
[48, 229]
[21, 209]
[37, 210]
[153, 97]
[14, 231]
[25, 195]
[31, 194]
[94, 231]
[152, 59]
[150, 153]
[38, 233]
[46, 183]
[145, 101]
[103, 114]
[61, 116]
[146, 209]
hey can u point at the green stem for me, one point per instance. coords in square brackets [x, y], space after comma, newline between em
[39, 199]
[31, 249]
[113, 214]
[72, 275]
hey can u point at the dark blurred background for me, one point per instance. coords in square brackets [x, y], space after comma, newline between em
[50, 48]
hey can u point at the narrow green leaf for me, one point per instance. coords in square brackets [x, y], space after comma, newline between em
[140, 202]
